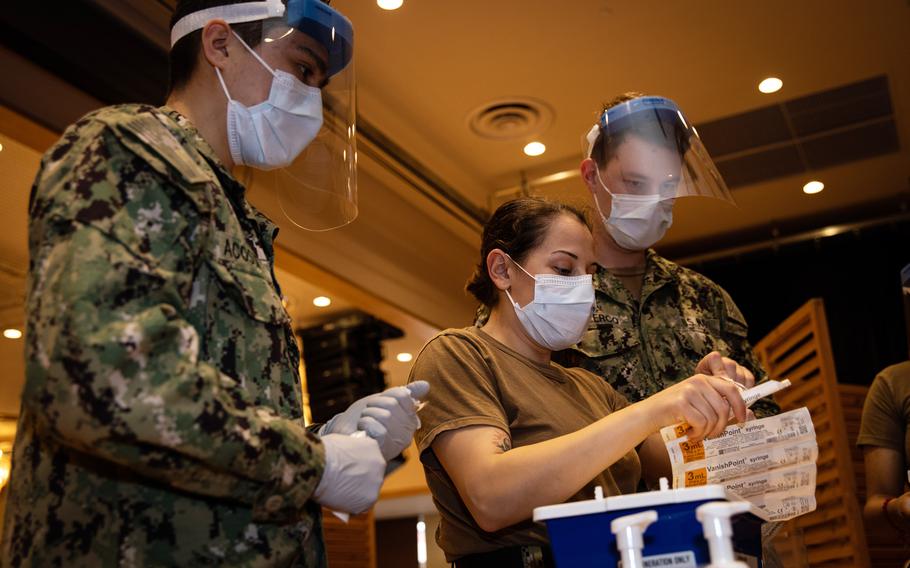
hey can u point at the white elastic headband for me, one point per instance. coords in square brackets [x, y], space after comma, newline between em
[591, 137]
[230, 13]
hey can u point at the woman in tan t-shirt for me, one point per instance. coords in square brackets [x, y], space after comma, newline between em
[506, 430]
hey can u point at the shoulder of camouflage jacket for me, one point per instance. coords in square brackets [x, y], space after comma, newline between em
[86, 175]
[701, 286]
[686, 276]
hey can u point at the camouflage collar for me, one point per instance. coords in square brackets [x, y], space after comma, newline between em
[266, 228]
[660, 268]
[192, 135]
[658, 272]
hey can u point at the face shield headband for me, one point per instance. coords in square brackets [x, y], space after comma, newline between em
[312, 17]
[316, 186]
[624, 116]
[659, 121]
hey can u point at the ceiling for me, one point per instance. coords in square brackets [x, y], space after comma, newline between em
[424, 68]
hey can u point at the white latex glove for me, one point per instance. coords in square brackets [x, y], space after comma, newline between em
[389, 417]
[354, 470]
[392, 419]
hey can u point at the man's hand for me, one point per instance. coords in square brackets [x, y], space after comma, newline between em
[716, 365]
[354, 470]
[389, 417]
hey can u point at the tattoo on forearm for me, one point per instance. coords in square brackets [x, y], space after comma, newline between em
[504, 444]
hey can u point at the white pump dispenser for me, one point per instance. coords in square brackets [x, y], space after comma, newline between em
[628, 531]
[715, 520]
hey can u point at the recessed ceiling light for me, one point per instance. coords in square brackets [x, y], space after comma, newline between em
[813, 187]
[535, 149]
[389, 4]
[322, 301]
[12, 333]
[770, 85]
[404, 357]
[1, 147]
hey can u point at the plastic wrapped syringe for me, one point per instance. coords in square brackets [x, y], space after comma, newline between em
[786, 427]
[757, 460]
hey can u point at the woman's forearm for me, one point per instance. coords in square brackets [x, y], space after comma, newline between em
[502, 486]
[507, 487]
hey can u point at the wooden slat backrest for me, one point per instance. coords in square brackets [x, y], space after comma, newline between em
[799, 349]
[351, 545]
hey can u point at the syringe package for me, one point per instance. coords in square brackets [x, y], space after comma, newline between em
[797, 478]
[770, 462]
[788, 426]
[747, 463]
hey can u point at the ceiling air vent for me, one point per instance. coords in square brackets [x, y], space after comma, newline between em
[509, 119]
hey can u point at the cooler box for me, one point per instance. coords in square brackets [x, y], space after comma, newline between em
[580, 533]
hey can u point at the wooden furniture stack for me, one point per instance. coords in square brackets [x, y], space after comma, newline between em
[833, 535]
[352, 544]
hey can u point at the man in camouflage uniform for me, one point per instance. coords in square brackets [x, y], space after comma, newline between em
[655, 323]
[653, 320]
[161, 420]
[644, 344]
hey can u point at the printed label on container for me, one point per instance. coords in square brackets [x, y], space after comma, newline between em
[787, 427]
[682, 559]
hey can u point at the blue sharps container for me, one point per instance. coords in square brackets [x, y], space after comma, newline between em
[580, 533]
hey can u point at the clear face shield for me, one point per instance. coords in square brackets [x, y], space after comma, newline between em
[646, 146]
[301, 140]
[647, 156]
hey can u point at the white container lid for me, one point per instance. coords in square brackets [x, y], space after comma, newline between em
[639, 500]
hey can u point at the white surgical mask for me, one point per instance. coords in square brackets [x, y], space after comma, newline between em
[273, 133]
[636, 222]
[559, 313]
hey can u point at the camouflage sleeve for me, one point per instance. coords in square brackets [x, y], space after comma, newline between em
[113, 366]
[736, 333]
